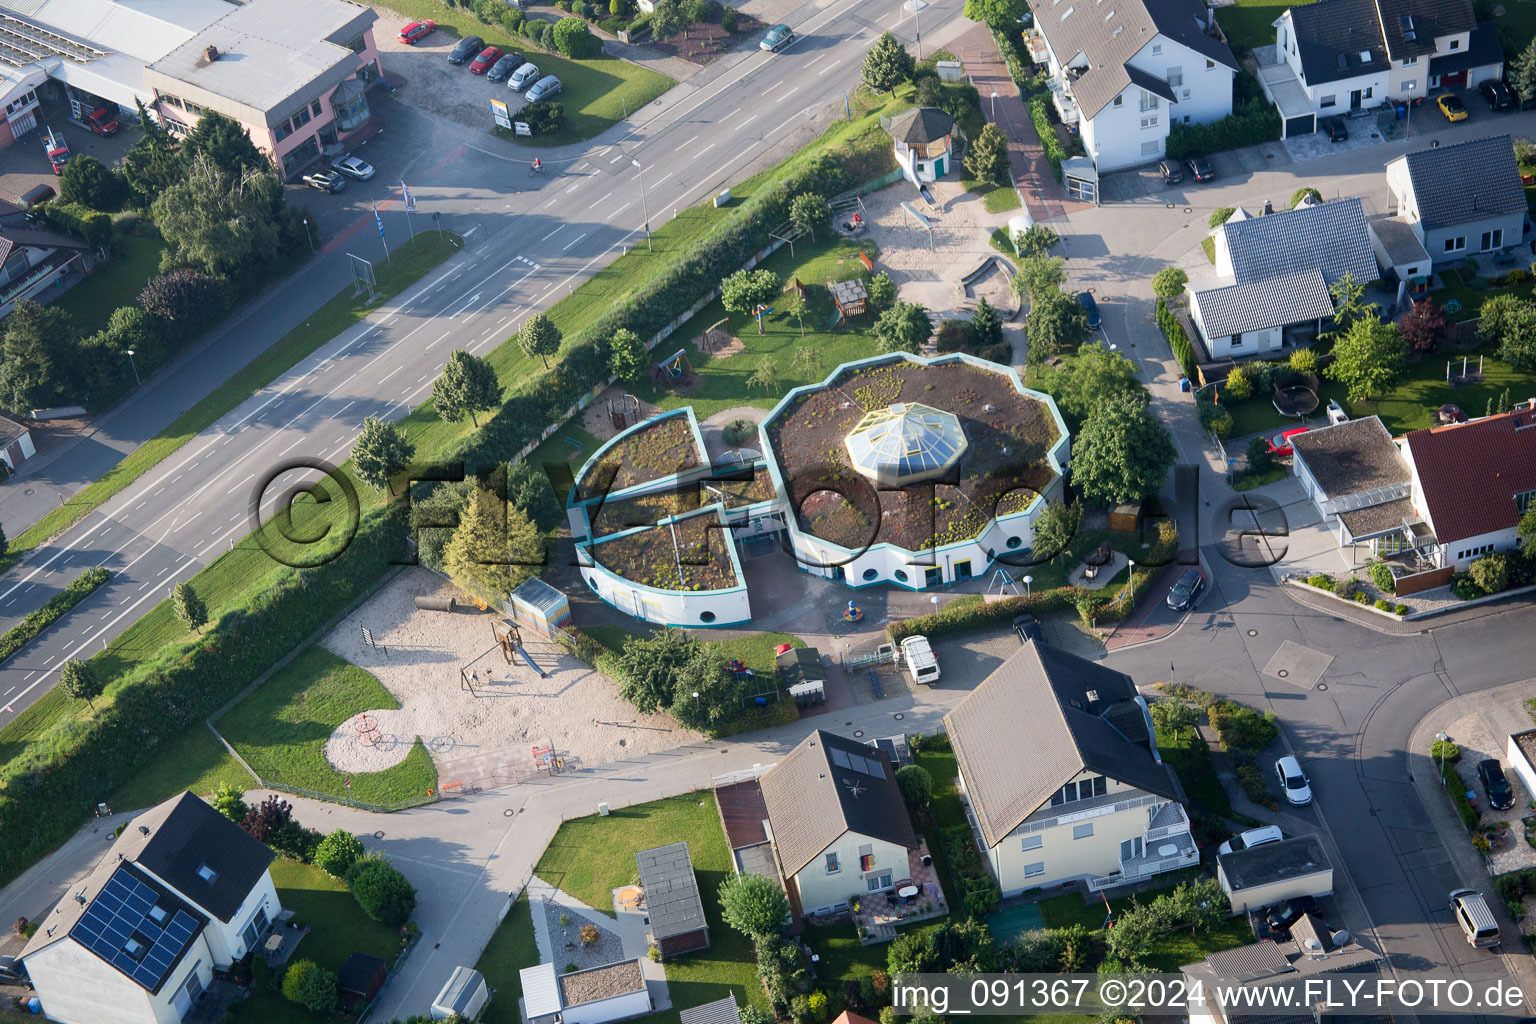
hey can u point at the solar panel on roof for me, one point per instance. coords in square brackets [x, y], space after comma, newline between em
[118, 929]
[839, 758]
[857, 764]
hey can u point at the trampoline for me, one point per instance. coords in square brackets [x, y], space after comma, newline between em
[1009, 923]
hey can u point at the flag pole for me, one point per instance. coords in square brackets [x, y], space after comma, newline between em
[410, 208]
[380, 222]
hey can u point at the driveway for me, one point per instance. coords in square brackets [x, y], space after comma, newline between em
[24, 163]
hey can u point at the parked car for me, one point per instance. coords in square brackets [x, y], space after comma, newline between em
[1280, 445]
[523, 77]
[1476, 921]
[416, 31]
[467, 48]
[1451, 106]
[1201, 168]
[544, 88]
[325, 181]
[1335, 129]
[485, 61]
[103, 122]
[1188, 591]
[1498, 95]
[509, 63]
[353, 167]
[1091, 307]
[1027, 628]
[777, 38]
[1251, 838]
[1293, 782]
[1501, 795]
[1283, 916]
[1171, 171]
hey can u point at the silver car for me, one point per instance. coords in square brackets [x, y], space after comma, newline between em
[523, 77]
[353, 167]
[544, 88]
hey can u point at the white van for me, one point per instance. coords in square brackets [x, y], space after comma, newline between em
[1475, 919]
[917, 657]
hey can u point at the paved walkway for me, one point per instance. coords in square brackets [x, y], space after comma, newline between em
[1148, 621]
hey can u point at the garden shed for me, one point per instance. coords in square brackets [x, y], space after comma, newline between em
[537, 604]
[465, 994]
[360, 979]
[800, 673]
[1260, 876]
[674, 912]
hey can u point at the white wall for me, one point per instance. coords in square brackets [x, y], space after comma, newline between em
[669, 607]
[77, 987]
[1403, 76]
[1377, 83]
[1521, 765]
[1114, 136]
[1209, 88]
[630, 1004]
[819, 889]
[224, 940]
[1317, 884]
[1502, 540]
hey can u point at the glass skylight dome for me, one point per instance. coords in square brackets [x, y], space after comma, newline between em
[905, 443]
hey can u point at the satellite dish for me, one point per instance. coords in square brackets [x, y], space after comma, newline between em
[1341, 937]
[1312, 945]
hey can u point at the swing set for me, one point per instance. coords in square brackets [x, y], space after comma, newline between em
[674, 370]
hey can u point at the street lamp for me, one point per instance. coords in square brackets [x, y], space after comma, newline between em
[994, 106]
[643, 205]
[308, 237]
[131, 363]
[1130, 578]
[914, 6]
[695, 700]
[1444, 740]
[1027, 581]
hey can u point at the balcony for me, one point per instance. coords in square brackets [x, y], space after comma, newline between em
[1034, 42]
[1062, 100]
[1166, 846]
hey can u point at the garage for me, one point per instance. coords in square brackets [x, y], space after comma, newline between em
[1306, 124]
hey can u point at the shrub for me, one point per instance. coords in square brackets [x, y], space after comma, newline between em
[1321, 581]
[337, 852]
[92, 225]
[1383, 605]
[1400, 609]
[1220, 216]
[1451, 751]
[1457, 790]
[1254, 784]
[1178, 341]
[728, 19]
[573, 38]
[1242, 728]
[1305, 192]
[1040, 114]
[542, 115]
[1491, 572]
[77, 590]
[1259, 123]
[1465, 589]
[1381, 576]
[1344, 588]
[382, 891]
[311, 986]
[1239, 384]
[1304, 361]
[1361, 597]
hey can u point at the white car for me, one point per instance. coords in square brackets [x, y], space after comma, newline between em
[523, 77]
[1253, 837]
[353, 167]
[1293, 782]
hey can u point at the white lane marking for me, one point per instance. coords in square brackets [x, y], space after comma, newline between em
[706, 149]
[186, 524]
[350, 404]
[553, 233]
[621, 209]
[291, 447]
[445, 334]
[390, 374]
[748, 121]
[604, 196]
[573, 188]
[472, 230]
[574, 241]
[781, 97]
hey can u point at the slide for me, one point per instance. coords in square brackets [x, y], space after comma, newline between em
[531, 663]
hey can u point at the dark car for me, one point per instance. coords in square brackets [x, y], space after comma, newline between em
[1335, 129]
[468, 47]
[12, 972]
[1090, 307]
[1201, 168]
[1497, 94]
[1186, 593]
[1501, 795]
[1171, 171]
[1281, 917]
[1027, 628]
[508, 63]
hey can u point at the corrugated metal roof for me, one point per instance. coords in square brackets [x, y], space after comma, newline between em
[1397, 237]
[541, 990]
[721, 1011]
[1271, 302]
[1467, 182]
[145, 29]
[1331, 238]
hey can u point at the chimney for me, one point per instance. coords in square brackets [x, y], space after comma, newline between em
[211, 54]
[1269, 208]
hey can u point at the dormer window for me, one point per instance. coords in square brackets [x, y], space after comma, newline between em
[1455, 44]
[1525, 500]
[206, 873]
[1157, 48]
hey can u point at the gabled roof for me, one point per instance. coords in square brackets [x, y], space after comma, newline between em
[1151, 83]
[185, 834]
[1271, 302]
[1424, 20]
[829, 785]
[1332, 36]
[1483, 48]
[1470, 472]
[1331, 238]
[921, 125]
[1469, 181]
[1041, 718]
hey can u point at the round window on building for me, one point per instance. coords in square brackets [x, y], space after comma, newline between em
[870, 574]
[706, 616]
[1014, 542]
[901, 575]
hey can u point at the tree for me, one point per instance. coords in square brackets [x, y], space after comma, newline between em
[190, 299]
[152, 164]
[1172, 715]
[705, 692]
[882, 291]
[271, 815]
[1498, 315]
[382, 891]
[748, 292]
[190, 609]
[1517, 343]
[337, 853]
[626, 355]
[1238, 385]
[539, 337]
[1423, 328]
[765, 375]
[1168, 283]
[1056, 322]
[1526, 531]
[916, 785]
[311, 986]
[1260, 458]
[987, 158]
[5, 543]
[573, 38]
[651, 666]
[468, 385]
[494, 548]
[80, 681]
[1123, 452]
[667, 20]
[1491, 572]
[1522, 74]
[226, 143]
[529, 489]
[886, 65]
[380, 451]
[1004, 14]
[1038, 275]
[806, 364]
[37, 357]
[229, 800]
[986, 325]
[902, 328]
[792, 303]
[1036, 240]
[1369, 360]
[88, 181]
[219, 220]
[807, 210]
[1096, 374]
[1349, 304]
[753, 905]
[1054, 529]
[1305, 192]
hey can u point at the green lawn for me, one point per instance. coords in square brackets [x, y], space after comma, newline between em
[118, 282]
[511, 948]
[946, 812]
[1191, 760]
[754, 650]
[280, 730]
[996, 198]
[1249, 23]
[196, 762]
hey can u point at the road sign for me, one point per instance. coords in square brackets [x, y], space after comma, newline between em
[501, 114]
[542, 755]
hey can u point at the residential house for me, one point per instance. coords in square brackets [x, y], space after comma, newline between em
[34, 259]
[1123, 72]
[1273, 275]
[181, 891]
[1310, 952]
[1358, 481]
[1460, 199]
[1337, 56]
[839, 826]
[596, 995]
[1060, 770]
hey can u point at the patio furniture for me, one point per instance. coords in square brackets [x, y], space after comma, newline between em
[908, 892]
[1091, 572]
[274, 942]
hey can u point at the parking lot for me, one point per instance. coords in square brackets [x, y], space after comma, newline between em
[24, 163]
[428, 82]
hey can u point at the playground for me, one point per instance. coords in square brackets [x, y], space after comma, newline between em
[459, 693]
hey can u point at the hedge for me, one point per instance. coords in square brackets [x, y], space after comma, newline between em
[92, 225]
[1242, 728]
[19, 635]
[1260, 122]
[1040, 114]
[1178, 341]
[978, 892]
[1457, 789]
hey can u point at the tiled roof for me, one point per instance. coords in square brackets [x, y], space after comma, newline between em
[189, 834]
[1331, 35]
[1151, 83]
[1430, 18]
[1374, 520]
[1351, 457]
[671, 891]
[1483, 49]
[1470, 472]
[1398, 239]
[829, 785]
[1271, 302]
[1038, 720]
[1331, 238]
[11, 428]
[921, 125]
[1465, 182]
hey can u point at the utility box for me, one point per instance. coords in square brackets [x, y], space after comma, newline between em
[723, 198]
[949, 71]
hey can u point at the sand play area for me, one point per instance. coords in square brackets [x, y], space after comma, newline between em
[576, 709]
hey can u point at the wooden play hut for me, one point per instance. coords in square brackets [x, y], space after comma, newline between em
[850, 297]
[1125, 518]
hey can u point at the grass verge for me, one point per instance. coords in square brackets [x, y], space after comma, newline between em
[1191, 761]
[195, 763]
[512, 947]
[27, 630]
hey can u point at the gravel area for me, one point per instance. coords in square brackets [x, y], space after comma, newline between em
[962, 227]
[565, 940]
[576, 709]
[428, 82]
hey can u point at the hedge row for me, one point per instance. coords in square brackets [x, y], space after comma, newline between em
[19, 635]
[92, 225]
[1183, 350]
[1040, 114]
[978, 891]
[1260, 122]
[1458, 793]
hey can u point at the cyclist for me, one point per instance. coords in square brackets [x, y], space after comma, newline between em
[538, 165]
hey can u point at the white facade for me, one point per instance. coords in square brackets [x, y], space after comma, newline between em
[1124, 134]
[838, 872]
[1340, 96]
[78, 987]
[1270, 339]
[1202, 87]
[1318, 883]
[248, 925]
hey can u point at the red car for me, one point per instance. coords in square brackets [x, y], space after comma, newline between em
[1280, 444]
[417, 31]
[481, 64]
